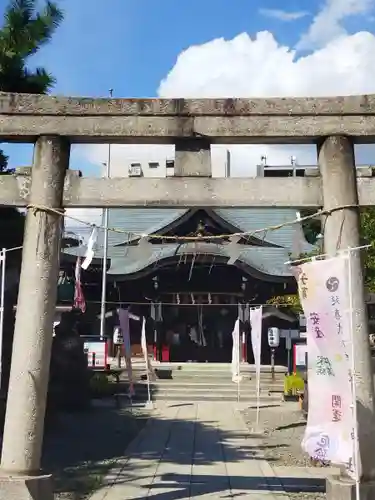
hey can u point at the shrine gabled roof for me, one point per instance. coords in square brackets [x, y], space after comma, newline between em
[266, 260]
[127, 260]
[255, 219]
[139, 221]
[153, 220]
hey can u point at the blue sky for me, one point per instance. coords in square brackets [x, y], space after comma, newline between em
[131, 45]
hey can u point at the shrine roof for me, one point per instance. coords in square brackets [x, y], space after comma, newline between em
[153, 220]
[139, 221]
[127, 260]
[268, 260]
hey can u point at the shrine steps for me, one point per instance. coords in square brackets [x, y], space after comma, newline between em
[205, 382]
[182, 392]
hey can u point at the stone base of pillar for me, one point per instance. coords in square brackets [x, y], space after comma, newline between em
[26, 487]
[338, 488]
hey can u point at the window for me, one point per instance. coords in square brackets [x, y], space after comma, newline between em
[284, 172]
[135, 170]
[170, 164]
[153, 164]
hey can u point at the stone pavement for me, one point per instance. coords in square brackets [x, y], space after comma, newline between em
[194, 451]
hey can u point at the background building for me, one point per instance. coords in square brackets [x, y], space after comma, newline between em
[199, 295]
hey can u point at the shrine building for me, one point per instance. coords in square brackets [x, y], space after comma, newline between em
[189, 293]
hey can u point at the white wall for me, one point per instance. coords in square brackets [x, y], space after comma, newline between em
[156, 168]
[150, 170]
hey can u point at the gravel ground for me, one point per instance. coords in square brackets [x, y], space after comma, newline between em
[80, 449]
[284, 428]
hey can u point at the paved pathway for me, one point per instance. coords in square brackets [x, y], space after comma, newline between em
[194, 451]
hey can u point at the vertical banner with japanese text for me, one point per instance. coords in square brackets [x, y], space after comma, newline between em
[324, 294]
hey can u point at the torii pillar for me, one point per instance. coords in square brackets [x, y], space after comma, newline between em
[342, 231]
[20, 474]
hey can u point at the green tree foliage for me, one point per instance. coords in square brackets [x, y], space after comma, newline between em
[24, 32]
[312, 228]
[290, 301]
[368, 238]
[3, 162]
[25, 29]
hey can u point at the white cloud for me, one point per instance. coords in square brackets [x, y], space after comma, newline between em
[327, 24]
[256, 67]
[262, 67]
[283, 15]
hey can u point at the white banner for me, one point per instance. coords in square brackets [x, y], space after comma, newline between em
[324, 293]
[256, 342]
[236, 352]
[256, 336]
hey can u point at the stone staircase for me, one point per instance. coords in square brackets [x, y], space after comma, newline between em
[207, 382]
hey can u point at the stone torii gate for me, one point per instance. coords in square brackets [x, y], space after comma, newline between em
[54, 123]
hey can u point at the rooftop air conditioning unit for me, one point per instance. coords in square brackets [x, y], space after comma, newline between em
[135, 170]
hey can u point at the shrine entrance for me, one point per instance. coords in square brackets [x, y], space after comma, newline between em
[54, 123]
[198, 332]
[191, 307]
